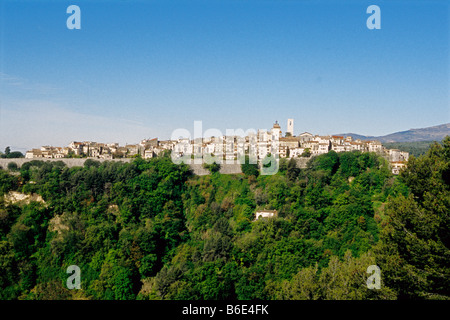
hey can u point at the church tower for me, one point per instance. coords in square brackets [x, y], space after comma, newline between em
[290, 127]
[276, 132]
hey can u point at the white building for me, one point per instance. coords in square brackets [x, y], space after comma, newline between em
[275, 132]
[34, 153]
[338, 147]
[263, 149]
[396, 155]
[396, 166]
[324, 147]
[266, 214]
[374, 146]
[305, 137]
[296, 152]
[149, 153]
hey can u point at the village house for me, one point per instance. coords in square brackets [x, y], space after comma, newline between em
[149, 153]
[338, 147]
[396, 155]
[324, 147]
[313, 146]
[33, 153]
[286, 144]
[396, 166]
[265, 214]
[76, 147]
[337, 140]
[208, 148]
[149, 143]
[257, 144]
[305, 137]
[375, 146]
[296, 152]
[355, 146]
[167, 144]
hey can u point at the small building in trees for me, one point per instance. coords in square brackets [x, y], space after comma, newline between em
[396, 166]
[266, 214]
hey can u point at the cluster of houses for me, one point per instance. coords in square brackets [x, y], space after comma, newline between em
[259, 144]
[89, 149]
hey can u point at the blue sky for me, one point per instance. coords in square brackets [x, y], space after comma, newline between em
[141, 69]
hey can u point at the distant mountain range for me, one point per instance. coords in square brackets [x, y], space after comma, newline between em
[435, 133]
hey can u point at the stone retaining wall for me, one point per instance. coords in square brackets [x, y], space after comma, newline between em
[196, 168]
[79, 162]
[70, 162]
[224, 169]
[301, 162]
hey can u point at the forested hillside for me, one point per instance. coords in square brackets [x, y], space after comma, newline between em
[152, 230]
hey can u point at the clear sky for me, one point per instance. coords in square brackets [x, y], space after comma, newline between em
[141, 69]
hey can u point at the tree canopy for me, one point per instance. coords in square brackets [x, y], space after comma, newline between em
[150, 229]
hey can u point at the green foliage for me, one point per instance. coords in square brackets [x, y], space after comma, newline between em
[249, 169]
[270, 165]
[306, 153]
[213, 167]
[15, 154]
[12, 166]
[292, 171]
[149, 229]
[11, 154]
[8, 182]
[339, 280]
[283, 165]
[415, 247]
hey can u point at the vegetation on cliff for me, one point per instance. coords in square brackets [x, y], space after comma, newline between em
[152, 230]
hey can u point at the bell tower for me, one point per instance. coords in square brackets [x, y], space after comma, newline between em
[276, 131]
[290, 127]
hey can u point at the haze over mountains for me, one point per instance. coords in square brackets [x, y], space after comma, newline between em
[435, 133]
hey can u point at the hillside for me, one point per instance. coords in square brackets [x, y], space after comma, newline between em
[150, 229]
[435, 133]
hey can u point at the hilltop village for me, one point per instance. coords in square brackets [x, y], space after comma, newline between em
[260, 144]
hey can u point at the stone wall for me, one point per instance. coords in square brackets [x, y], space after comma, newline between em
[79, 162]
[196, 168]
[70, 162]
[301, 162]
[224, 169]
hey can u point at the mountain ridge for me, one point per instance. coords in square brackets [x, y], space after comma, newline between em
[434, 133]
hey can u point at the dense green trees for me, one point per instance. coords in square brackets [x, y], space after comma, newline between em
[415, 247]
[306, 153]
[248, 168]
[11, 154]
[152, 230]
[340, 280]
[7, 182]
[213, 167]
